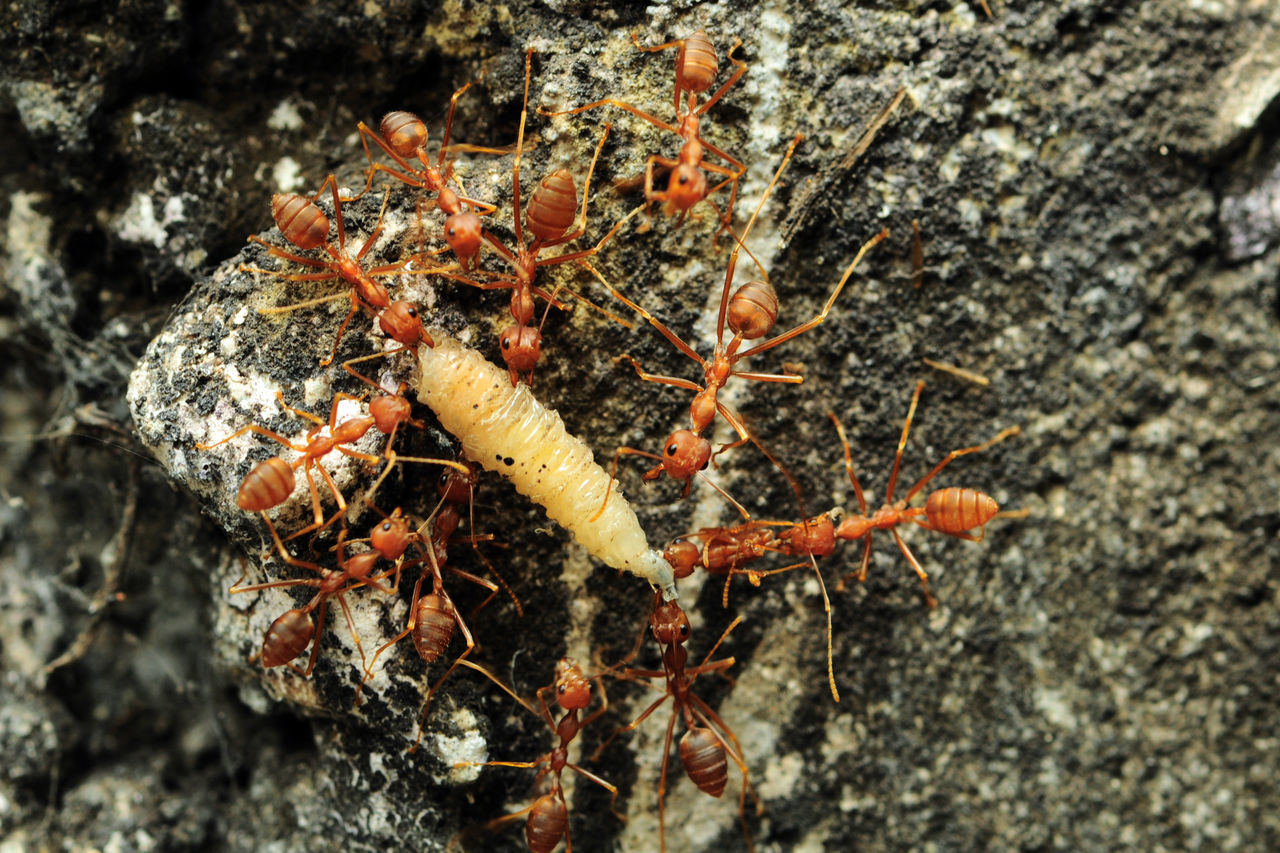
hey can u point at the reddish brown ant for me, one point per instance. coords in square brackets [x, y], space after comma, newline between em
[696, 68]
[708, 743]
[290, 634]
[403, 136]
[750, 315]
[432, 617]
[305, 225]
[954, 511]
[270, 483]
[549, 217]
[548, 820]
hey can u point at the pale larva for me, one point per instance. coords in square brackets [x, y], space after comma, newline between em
[507, 430]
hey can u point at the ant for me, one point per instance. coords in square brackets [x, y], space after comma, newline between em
[549, 217]
[403, 136]
[708, 743]
[290, 633]
[269, 483]
[954, 511]
[750, 315]
[726, 551]
[434, 616]
[305, 225]
[548, 820]
[696, 69]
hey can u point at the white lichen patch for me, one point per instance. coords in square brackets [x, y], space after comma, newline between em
[286, 175]
[141, 222]
[27, 236]
[468, 747]
[285, 116]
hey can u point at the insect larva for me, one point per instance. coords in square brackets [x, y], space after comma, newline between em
[507, 430]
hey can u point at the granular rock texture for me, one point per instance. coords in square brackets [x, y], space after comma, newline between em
[1095, 188]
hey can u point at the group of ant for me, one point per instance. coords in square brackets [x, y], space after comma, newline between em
[398, 543]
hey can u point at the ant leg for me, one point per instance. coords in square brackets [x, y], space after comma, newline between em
[826, 309]
[915, 564]
[955, 454]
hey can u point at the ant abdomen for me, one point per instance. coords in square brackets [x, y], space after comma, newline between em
[434, 628]
[552, 206]
[404, 132]
[704, 760]
[267, 485]
[287, 637]
[300, 220]
[955, 509]
[700, 63]
[753, 310]
[547, 821]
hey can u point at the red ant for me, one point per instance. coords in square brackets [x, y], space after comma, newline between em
[403, 136]
[305, 225]
[727, 550]
[432, 617]
[269, 483]
[290, 634]
[954, 511]
[750, 315]
[549, 216]
[708, 743]
[548, 820]
[696, 68]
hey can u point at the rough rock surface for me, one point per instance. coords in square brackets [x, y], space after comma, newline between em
[1095, 185]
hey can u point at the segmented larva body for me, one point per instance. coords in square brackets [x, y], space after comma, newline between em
[507, 430]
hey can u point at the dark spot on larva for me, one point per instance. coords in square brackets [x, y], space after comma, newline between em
[475, 406]
[508, 461]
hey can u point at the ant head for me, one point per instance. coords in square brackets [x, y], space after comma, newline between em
[685, 454]
[670, 625]
[389, 411]
[683, 555]
[521, 348]
[573, 689]
[462, 233]
[404, 132]
[753, 310]
[299, 220]
[403, 324]
[687, 186]
[390, 537]
[455, 486]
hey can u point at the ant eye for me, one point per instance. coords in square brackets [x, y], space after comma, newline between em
[672, 448]
[684, 179]
[413, 312]
[684, 629]
[560, 688]
[386, 526]
[506, 342]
